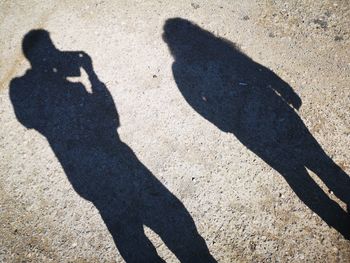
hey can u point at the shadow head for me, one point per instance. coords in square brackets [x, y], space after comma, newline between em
[43, 56]
[38, 47]
[182, 37]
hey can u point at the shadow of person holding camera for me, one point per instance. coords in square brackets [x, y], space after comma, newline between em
[81, 128]
[242, 97]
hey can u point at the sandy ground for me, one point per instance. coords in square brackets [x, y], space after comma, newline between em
[244, 209]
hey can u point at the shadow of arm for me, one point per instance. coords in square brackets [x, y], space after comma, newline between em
[99, 89]
[23, 103]
[286, 92]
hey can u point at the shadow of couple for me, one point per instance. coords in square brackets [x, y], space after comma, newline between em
[222, 84]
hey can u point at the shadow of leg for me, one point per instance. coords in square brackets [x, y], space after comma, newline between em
[329, 172]
[315, 198]
[177, 229]
[131, 241]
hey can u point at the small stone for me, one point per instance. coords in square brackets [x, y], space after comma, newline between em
[322, 23]
[252, 246]
[195, 6]
[338, 38]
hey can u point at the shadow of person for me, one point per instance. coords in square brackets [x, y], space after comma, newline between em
[244, 98]
[81, 128]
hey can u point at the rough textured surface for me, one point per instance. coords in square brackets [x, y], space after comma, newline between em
[243, 208]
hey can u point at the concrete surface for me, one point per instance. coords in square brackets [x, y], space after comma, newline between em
[241, 206]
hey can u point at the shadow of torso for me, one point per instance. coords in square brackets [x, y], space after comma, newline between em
[238, 98]
[81, 128]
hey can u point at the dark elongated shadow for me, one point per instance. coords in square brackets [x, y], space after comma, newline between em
[81, 128]
[246, 99]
